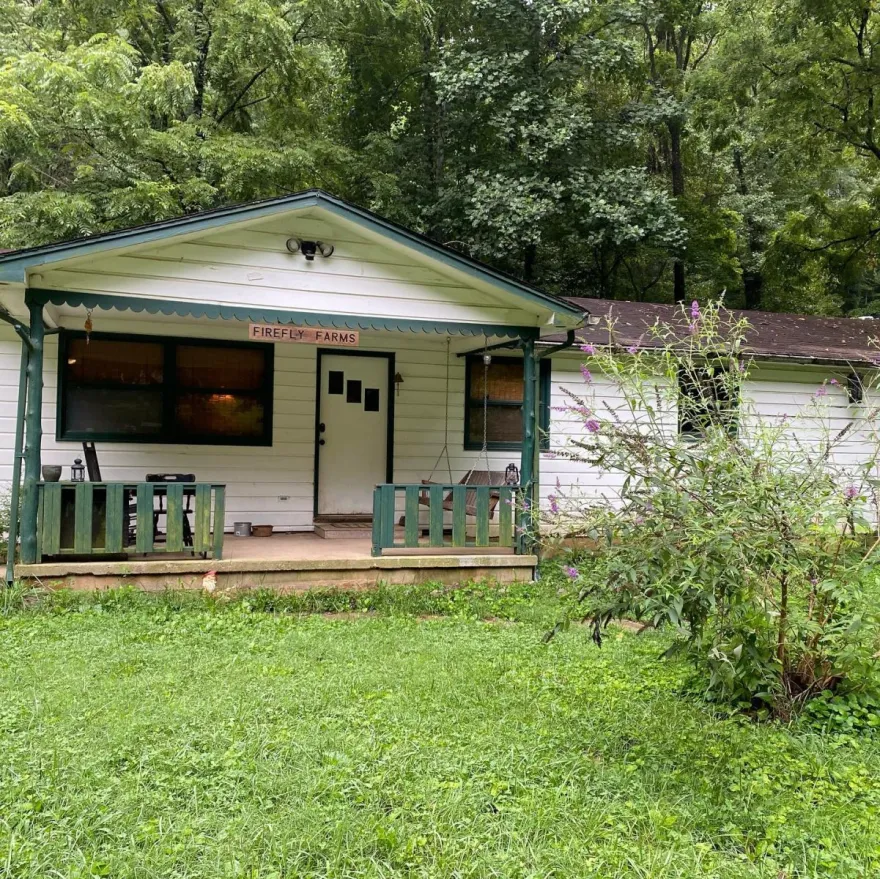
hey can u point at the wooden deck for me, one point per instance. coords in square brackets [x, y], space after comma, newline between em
[286, 562]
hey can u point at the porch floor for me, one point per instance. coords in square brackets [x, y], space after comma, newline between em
[287, 562]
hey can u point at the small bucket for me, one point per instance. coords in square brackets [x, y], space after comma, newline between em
[241, 529]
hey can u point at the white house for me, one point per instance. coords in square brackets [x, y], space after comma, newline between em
[385, 403]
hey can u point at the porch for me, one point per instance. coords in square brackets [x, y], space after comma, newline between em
[287, 562]
[273, 388]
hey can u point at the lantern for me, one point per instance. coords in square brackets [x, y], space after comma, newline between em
[77, 471]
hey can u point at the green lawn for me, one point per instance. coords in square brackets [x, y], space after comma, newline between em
[145, 741]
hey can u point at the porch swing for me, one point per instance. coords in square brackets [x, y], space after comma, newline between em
[474, 477]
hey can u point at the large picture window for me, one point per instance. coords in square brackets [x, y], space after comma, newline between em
[504, 404]
[161, 390]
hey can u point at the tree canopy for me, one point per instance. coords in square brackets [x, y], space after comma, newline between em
[640, 149]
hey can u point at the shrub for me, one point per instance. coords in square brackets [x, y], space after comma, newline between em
[749, 533]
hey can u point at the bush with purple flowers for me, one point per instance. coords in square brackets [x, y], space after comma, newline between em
[756, 546]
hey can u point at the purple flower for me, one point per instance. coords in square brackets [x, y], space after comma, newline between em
[692, 328]
[632, 349]
[851, 493]
[592, 425]
[821, 391]
[554, 506]
[833, 381]
[814, 581]
[588, 376]
[572, 572]
[587, 348]
[695, 310]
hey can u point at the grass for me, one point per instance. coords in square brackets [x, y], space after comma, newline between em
[174, 738]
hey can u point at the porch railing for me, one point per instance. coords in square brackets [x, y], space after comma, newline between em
[435, 516]
[110, 518]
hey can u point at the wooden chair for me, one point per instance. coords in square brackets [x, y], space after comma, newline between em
[129, 509]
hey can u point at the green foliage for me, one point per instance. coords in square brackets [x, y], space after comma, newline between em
[140, 740]
[748, 533]
[600, 148]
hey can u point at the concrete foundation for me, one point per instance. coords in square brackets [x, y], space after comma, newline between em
[283, 563]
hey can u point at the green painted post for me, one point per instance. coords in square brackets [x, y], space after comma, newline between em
[377, 522]
[33, 434]
[219, 519]
[530, 427]
[16, 463]
[411, 516]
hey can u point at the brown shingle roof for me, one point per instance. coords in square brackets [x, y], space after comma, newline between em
[791, 336]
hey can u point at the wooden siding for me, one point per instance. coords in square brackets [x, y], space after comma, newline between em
[773, 390]
[258, 478]
[250, 265]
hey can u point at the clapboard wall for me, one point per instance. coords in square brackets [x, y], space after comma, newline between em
[275, 485]
[268, 485]
[772, 391]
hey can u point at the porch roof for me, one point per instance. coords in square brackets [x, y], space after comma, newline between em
[262, 314]
[15, 265]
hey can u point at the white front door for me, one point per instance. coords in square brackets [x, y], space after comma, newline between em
[352, 432]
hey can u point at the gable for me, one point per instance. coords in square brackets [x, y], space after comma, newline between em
[243, 262]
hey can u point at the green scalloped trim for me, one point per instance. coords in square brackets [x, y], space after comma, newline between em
[271, 315]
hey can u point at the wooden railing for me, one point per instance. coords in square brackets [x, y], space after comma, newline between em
[111, 518]
[437, 515]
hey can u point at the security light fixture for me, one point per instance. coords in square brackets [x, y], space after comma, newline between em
[309, 248]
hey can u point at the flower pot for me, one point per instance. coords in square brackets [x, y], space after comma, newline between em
[262, 530]
[51, 472]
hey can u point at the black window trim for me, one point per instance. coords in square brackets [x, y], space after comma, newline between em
[170, 436]
[476, 443]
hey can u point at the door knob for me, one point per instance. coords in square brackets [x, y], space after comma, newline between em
[322, 427]
[322, 442]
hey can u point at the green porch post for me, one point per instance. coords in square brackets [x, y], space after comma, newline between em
[14, 508]
[529, 433]
[33, 434]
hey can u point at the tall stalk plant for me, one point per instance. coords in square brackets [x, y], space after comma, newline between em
[751, 532]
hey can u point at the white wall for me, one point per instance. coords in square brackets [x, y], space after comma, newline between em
[772, 390]
[248, 264]
[275, 485]
[267, 485]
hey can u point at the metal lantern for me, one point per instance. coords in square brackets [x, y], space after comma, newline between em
[77, 471]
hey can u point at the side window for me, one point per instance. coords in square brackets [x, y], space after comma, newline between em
[706, 397]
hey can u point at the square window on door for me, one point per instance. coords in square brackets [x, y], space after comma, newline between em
[371, 399]
[337, 380]
[353, 391]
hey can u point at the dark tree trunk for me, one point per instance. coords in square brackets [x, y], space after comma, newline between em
[753, 280]
[677, 170]
[529, 258]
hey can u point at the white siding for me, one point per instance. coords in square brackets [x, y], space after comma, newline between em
[249, 264]
[772, 391]
[275, 485]
[272, 485]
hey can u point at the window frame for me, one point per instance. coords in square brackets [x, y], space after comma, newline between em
[727, 418]
[170, 434]
[544, 378]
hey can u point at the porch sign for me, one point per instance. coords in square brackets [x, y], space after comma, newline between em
[307, 335]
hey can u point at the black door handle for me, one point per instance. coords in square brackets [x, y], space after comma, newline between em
[322, 442]
[322, 427]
